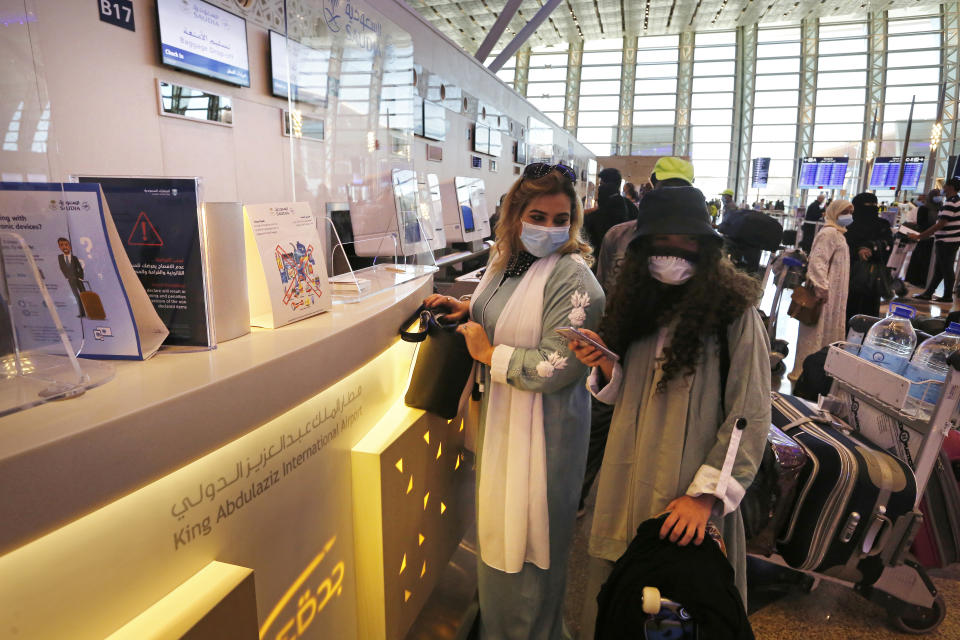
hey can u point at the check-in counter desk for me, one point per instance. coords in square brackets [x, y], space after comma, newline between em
[282, 463]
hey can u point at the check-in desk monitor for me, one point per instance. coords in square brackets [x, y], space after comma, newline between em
[431, 210]
[471, 219]
[391, 224]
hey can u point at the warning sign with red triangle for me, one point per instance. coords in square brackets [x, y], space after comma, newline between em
[144, 234]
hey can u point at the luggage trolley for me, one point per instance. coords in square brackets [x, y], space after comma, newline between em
[872, 401]
[790, 276]
[899, 260]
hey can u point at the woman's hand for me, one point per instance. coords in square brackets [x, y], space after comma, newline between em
[477, 343]
[688, 519]
[456, 310]
[822, 294]
[590, 355]
[865, 253]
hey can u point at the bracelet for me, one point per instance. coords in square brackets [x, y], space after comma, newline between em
[466, 297]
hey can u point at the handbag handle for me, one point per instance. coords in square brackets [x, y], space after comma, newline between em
[427, 319]
[420, 335]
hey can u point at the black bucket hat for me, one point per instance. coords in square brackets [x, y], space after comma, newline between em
[674, 210]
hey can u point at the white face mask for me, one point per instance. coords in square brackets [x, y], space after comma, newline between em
[542, 241]
[670, 269]
[845, 220]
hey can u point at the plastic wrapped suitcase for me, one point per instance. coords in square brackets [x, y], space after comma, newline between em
[849, 498]
[768, 502]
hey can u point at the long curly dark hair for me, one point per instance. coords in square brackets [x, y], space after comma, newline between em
[706, 304]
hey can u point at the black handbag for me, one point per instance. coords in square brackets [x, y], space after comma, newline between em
[442, 367]
[872, 278]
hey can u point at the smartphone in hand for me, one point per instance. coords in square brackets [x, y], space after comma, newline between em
[575, 335]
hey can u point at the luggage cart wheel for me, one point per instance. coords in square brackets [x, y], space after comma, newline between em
[651, 600]
[926, 621]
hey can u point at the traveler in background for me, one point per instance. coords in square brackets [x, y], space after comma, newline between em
[676, 302]
[676, 172]
[630, 193]
[532, 450]
[946, 232]
[728, 203]
[918, 271]
[612, 208]
[828, 272]
[810, 219]
[869, 238]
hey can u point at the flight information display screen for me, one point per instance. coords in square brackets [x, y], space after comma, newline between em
[822, 172]
[886, 171]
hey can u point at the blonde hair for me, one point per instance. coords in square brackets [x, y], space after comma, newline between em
[521, 194]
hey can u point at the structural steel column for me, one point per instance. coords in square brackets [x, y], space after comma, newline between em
[571, 99]
[522, 72]
[810, 36]
[681, 131]
[876, 88]
[628, 79]
[738, 178]
[950, 16]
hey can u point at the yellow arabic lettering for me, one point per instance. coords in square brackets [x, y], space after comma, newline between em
[306, 599]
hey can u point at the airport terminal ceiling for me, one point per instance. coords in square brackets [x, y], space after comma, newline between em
[467, 22]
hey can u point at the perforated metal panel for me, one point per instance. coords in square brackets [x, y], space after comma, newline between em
[467, 21]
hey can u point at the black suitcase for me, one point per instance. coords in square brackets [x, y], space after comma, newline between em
[752, 229]
[849, 501]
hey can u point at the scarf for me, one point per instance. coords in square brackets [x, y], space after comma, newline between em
[513, 524]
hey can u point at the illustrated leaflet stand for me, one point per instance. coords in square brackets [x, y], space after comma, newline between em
[46, 369]
[359, 284]
[286, 270]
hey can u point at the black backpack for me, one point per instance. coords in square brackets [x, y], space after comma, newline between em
[752, 229]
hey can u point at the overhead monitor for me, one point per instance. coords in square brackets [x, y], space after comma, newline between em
[759, 172]
[198, 37]
[496, 143]
[822, 172]
[417, 116]
[434, 121]
[481, 138]
[520, 152]
[297, 71]
[886, 172]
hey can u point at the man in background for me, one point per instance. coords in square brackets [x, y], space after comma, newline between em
[810, 219]
[612, 207]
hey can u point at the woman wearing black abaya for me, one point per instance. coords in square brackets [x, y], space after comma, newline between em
[869, 239]
[919, 268]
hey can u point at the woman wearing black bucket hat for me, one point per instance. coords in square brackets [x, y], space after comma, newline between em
[694, 361]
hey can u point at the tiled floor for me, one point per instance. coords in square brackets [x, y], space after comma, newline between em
[830, 611]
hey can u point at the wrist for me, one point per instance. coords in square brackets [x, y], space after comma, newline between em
[487, 357]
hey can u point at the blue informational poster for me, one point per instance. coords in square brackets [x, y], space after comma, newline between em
[158, 222]
[822, 172]
[199, 37]
[886, 172]
[99, 300]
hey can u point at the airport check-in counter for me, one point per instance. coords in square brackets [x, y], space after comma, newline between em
[275, 487]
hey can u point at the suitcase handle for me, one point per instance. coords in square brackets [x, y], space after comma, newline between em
[878, 534]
